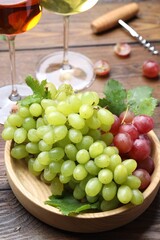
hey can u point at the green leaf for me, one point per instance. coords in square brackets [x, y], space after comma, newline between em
[68, 205]
[117, 99]
[115, 96]
[39, 91]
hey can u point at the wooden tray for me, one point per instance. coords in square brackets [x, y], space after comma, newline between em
[32, 193]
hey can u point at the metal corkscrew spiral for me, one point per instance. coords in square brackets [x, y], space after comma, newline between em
[143, 41]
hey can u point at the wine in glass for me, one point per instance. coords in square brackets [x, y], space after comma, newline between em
[67, 66]
[16, 16]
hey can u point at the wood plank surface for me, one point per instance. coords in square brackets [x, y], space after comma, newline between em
[15, 222]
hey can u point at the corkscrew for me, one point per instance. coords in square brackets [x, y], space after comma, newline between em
[143, 41]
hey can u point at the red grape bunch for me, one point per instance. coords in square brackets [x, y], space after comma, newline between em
[130, 137]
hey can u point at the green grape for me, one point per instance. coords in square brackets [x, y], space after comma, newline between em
[37, 166]
[71, 151]
[109, 205]
[93, 187]
[109, 191]
[32, 135]
[56, 118]
[105, 176]
[40, 122]
[93, 122]
[76, 121]
[64, 179]
[110, 150]
[44, 158]
[78, 193]
[47, 102]
[83, 182]
[64, 107]
[42, 130]
[120, 174]
[137, 197]
[24, 112]
[133, 182]
[49, 137]
[124, 194]
[79, 172]
[84, 130]
[85, 143]
[67, 168]
[105, 127]
[15, 120]
[55, 167]
[59, 132]
[32, 148]
[96, 98]
[107, 138]
[95, 134]
[75, 135]
[92, 199]
[96, 149]
[31, 169]
[57, 187]
[102, 160]
[63, 142]
[48, 175]
[82, 156]
[35, 109]
[75, 102]
[86, 111]
[20, 135]
[89, 98]
[51, 89]
[43, 146]
[92, 168]
[105, 116]
[29, 123]
[50, 109]
[8, 133]
[115, 160]
[130, 164]
[19, 151]
[56, 154]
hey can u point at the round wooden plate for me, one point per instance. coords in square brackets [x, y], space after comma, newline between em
[32, 193]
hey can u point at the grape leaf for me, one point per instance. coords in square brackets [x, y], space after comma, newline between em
[68, 205]
[39, 91]
[117, 99]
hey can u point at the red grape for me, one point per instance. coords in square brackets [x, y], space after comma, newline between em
[130, 129]
[144, 176]
[122, 49]
[123, 142]
[147, 164]
[115, 126]
[126, 117]
[150, 69]
[140, 150]
[101, 68]
[143, 123]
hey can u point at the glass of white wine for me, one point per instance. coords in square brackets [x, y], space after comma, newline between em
[67, 66]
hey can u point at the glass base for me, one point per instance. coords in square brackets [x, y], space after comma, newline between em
[6, 104]
[80, 74]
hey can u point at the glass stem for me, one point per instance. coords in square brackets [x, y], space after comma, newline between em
[14, 96]
[65, 64]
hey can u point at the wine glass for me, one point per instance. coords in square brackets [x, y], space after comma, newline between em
[66, 66]
[16, 16]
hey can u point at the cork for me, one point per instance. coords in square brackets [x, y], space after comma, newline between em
[110, 19]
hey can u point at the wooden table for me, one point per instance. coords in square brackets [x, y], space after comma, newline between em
[46, 37]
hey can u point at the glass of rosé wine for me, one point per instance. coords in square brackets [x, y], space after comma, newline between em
[16, 16]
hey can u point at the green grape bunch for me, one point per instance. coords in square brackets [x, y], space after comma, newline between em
[66, 141]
